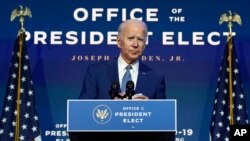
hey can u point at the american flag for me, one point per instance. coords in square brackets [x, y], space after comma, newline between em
[220, 124]
[26, 126]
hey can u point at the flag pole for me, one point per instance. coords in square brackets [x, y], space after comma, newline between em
[21, 13]
[230, 18]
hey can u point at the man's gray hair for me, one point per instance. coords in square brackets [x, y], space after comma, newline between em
[123, 24]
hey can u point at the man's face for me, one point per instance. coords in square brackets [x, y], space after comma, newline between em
[132, 42]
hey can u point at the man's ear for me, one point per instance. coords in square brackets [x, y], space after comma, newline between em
[118, 40]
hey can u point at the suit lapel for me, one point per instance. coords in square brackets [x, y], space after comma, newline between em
[142, 77]
[112, 71]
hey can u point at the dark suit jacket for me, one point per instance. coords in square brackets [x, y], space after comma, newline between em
[100, 76]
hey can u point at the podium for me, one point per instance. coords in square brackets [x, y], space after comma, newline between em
[121, 120]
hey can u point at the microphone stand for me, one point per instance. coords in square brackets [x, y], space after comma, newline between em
[129, 89]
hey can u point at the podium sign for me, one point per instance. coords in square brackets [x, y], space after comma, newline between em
[121, 115]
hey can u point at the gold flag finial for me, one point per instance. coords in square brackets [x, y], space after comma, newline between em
[20, 12]
[229, 17]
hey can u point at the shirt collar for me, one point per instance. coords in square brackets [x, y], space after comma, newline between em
[122, 64]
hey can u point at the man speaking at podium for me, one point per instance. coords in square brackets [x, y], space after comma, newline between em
[124, 78]
[102, 77]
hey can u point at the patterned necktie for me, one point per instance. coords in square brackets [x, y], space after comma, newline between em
[126, 78]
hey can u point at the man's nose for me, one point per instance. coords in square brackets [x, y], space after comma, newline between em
[135, 42]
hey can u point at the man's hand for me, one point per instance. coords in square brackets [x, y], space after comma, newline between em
[136, 97]
[139, 96]
[119, 98]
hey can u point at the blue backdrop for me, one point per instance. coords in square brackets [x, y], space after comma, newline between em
[66, 36]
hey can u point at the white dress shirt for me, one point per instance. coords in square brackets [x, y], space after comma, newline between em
[122, 69]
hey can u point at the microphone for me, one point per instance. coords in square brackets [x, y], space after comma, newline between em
[114, 91]
[130, 89]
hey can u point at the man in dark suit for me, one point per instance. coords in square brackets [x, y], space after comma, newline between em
[132, 37]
